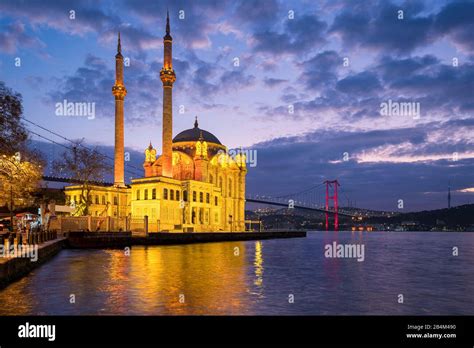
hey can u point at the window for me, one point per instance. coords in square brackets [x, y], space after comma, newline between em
[146, 194]
[211, 178]
[185, 195]
[201, 197]
[194, 196]
[153, 194]
[103, 200]
[165, 193]
[115, 200]
[177, 195]
[172, 195]
[216, 201]
[96, 199]
[138, 195]
[207, 198]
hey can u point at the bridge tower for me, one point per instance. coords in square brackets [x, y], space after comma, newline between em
[332, 184]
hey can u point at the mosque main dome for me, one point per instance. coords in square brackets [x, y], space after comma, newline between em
[195, 134]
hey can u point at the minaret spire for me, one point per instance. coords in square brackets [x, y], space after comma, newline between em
[119, 91]
[119, 45]
[168, 77]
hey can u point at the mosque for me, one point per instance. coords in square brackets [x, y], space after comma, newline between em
[193, 186]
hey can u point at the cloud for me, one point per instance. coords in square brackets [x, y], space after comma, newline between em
[57, 15]
[235, 79]
[93, 82]
[391, 68]
[272, 82]
[299, 35]
[411, 166]
[456, 20]
[377, 25]
[361, 83]
[321, 71]
[257, 14]
[192, 23]
[13, 37]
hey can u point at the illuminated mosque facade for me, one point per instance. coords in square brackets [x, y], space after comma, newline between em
[193, 186]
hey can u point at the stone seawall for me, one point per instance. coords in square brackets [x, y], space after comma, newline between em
[12, 269]
[189, 238]
[124, 239]
[99, 240]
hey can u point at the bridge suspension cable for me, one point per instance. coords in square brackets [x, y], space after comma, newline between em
[301, 192]
[76, 144]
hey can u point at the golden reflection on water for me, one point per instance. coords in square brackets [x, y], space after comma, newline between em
[210, 278]
[258, 264]
[190, 279]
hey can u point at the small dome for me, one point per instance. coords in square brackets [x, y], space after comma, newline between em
[195, 134]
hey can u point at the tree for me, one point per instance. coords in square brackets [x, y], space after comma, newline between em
[84, 165]
[18, 181]
[20, 168]
[13, 134]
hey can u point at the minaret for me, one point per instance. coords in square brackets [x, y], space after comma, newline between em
[119, 91]
[168, 77]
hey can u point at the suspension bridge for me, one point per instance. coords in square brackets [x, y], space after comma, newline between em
[304, 200]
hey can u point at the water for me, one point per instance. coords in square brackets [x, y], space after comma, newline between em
[257, 277]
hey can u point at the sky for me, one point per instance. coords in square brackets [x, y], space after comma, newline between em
[303, 84]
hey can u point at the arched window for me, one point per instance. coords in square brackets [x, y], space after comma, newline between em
[103, 200]
[185, 195]
[172, 195]
[138, 195]
[177, 195]
[153, 194]
[146, 194]
[96, 199]
[165, 193]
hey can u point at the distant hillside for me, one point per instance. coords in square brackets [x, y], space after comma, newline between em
[462, 215]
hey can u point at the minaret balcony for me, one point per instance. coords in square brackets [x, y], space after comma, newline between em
[167, 76]
[119, 91]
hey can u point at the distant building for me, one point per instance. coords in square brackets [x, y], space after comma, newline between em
[195, 185]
